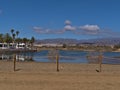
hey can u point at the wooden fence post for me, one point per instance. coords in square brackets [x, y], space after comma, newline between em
[100, 62]
[57, 62]
[14, 61]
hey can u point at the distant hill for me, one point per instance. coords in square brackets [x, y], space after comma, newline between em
[106, 41]
[102, 41]
[58, 41]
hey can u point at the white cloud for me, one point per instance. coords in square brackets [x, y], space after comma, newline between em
[67, 22]
[47, 31]
[88, 30]
[82, 30]
[90, 27]
[37, 28]
[69, 27]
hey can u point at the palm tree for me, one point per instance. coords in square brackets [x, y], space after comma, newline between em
[13, 39]
[32, 41]
[7, 39]
[1, 38]
[12, 31]
[17, 33]
[13, 35]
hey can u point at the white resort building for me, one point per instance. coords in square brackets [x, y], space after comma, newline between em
[3, 46]
[14, 46]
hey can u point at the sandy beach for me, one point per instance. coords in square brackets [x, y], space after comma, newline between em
[43, 76]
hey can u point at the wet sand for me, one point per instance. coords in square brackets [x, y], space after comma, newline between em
[43, 76]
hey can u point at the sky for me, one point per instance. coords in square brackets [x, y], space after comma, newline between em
[46, 19]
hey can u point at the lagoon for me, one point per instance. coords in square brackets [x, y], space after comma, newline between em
[65, 56]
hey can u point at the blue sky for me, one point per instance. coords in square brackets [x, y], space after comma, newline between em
[78, 19]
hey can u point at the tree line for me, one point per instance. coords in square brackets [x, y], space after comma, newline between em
[13, 38]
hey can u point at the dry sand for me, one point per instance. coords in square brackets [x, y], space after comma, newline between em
[43, 76]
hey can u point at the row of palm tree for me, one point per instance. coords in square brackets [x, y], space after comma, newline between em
[13, 38]
[5, 38]
[14, 34]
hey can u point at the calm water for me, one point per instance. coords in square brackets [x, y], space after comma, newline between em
[64, 56]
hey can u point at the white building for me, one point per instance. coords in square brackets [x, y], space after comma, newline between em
[14, 46]
[20, 46]
[4, 46]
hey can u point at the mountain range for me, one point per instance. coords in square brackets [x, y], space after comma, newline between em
[99, 41]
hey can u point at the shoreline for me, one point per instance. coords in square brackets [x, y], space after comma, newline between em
[41, 49]
[16, 50]
[89, 67]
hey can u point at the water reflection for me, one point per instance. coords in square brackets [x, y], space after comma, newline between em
[19, 56]
[64, 56]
